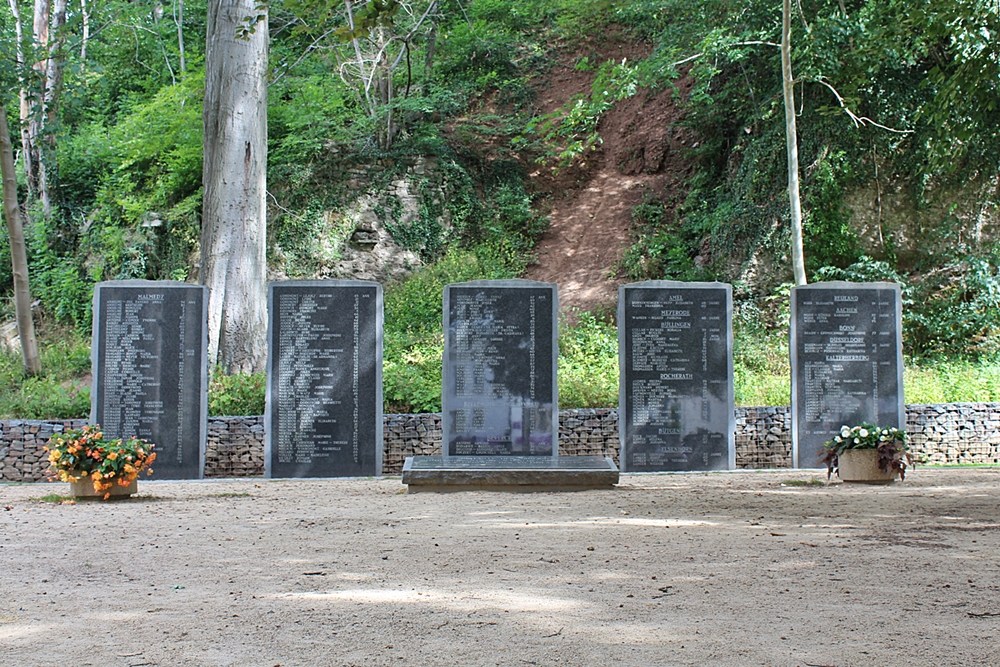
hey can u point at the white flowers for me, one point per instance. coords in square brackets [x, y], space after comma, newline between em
[863, 433]
[845, 431]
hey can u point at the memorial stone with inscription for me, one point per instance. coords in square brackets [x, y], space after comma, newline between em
[150, 370]
[676, 409]
[847, 362]
[324, 379]
[499, 390]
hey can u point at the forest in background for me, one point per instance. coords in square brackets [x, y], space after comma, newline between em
[897, 107]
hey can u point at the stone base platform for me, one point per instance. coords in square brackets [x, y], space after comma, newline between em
[509, 473]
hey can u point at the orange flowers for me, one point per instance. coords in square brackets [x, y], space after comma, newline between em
[85, 454]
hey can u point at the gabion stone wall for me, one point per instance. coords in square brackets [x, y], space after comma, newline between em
[409, 435]
[234, 447]
[22, 441]
[955, 432]
[949, 433]
[589, 432]
[764, 437]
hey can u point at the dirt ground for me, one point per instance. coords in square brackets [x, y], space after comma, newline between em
[755, 568]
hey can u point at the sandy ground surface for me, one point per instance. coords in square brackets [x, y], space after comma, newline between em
[721, 569]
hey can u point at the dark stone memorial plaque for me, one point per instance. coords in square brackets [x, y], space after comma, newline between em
[675, 408]
[847, 362]
[499, 390]
[324, 379]
[150, 370]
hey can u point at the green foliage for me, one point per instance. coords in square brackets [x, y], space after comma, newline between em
[62, 391]
[952, 382]
[412, 377]
[864, 270]
[141, 180]
[480, 55]
[505, 226]
[659, 251]
[56, 277]
[237, 394]
[305, 113]
[957, 309]
[761, 367]
[588, 363]
[832, 240]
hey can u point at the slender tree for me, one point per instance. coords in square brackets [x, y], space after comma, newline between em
[791, 144]
[233, 236]
[18, 256]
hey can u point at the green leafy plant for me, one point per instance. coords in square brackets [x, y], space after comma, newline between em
[588, 363]
[237, 394]
[890, 443]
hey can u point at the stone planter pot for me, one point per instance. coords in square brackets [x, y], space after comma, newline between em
[861, 466]
[84, 488]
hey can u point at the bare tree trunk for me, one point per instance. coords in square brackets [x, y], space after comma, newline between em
[233, 262]
[179, 22]
[791, 142]
[23, 96]
[36, 93]
[85, 37]
[46, 142]
[18, 256]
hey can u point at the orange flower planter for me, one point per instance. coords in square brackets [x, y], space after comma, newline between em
[84, 488]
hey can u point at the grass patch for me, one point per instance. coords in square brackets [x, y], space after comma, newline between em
[803, 482]
[54, 498]
[954, 381]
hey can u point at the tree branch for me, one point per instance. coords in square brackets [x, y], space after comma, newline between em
[754, 42]
[857, 120]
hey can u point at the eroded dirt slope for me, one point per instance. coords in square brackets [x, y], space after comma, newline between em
[590, 204]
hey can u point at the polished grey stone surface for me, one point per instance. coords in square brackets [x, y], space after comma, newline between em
[846, 362]
[324, 379]
[514, 473]
[150, 369]
[676, 366]
[499, 389]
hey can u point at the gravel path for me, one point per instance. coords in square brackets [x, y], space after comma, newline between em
[764, 568]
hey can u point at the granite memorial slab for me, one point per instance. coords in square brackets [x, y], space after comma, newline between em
[676, 407]
[499, 392]
[150, 370]
[847, 362]
[509, 473]
[323, 415]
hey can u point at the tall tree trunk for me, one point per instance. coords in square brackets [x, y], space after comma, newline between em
[233, 262]
[23, 93]
[18, 256]
[46, 143]
[36, 93]
[85, 36]
[791, 143]
[179, 22]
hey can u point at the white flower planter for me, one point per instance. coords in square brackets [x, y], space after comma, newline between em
[861, 465]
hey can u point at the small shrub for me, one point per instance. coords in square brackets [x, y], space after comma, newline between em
[412, 378]
[588, 363]
[237, 394]
[62, 391]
